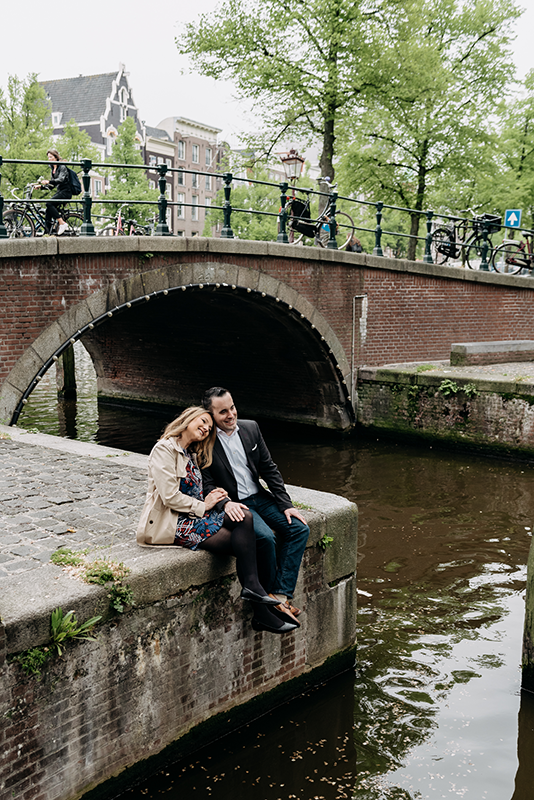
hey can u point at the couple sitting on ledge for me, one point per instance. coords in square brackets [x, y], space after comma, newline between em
[204, 493]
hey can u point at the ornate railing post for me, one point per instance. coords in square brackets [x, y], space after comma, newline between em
[282, 216]
[377, 251]
[332, 244]
[3, 231]
[427, 258]
[484, 249]
[227, 232]
[87, 228]
[162, 229]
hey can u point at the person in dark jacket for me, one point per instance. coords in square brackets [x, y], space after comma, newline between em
[240, 460]
[61, 180]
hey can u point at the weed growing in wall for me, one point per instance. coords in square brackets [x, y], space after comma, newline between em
[102, 571]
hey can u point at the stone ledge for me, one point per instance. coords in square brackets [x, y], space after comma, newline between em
[28, 598]
[473, 353]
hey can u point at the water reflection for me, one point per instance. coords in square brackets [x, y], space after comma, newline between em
[443, 543]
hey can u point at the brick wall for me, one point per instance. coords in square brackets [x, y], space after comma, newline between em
[415, 312]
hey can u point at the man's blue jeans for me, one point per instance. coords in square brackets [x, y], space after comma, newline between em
[277, 575]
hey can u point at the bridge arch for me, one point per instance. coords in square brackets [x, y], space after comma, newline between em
[250, 332]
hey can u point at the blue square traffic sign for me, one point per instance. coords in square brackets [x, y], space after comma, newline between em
[512, 218]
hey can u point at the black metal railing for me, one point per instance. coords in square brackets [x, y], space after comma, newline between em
[227, 178]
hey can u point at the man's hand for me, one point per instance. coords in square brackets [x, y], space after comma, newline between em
[235, 510]
[294, 512]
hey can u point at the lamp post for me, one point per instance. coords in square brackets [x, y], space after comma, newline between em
[293, 164]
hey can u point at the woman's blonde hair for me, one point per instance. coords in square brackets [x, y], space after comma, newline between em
[204, 449]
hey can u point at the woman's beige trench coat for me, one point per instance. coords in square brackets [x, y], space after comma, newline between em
[166, 466]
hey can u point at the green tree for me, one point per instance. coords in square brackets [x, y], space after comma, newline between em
[129, 184]
[76, 144]
[303, 64]
[24, 130]
[425, 135]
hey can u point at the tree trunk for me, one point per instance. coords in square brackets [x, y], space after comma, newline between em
[412, 243]
[419, 200]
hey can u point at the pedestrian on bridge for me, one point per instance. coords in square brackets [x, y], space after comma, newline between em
[61, 180]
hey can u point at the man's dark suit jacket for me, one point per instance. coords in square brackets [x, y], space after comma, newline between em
[259, 462]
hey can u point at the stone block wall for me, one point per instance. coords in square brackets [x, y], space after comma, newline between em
[183, 655]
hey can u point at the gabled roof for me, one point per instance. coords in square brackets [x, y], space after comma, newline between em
[157, 133]
[82, 98]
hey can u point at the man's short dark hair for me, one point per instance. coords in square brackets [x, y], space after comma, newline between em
[209, 394]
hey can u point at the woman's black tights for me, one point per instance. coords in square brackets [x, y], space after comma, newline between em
[238, 539]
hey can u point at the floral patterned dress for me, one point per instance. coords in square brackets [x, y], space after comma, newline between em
[191, 531]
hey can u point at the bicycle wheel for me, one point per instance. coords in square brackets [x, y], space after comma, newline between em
[510, 258]
[109, 230]
[18, 224]
[74, 220]
[442, 246]
[344, 228]
[473, 252]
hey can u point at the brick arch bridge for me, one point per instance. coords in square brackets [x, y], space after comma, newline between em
[284, 327]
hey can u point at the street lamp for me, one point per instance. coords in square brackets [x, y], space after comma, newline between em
[293, 164]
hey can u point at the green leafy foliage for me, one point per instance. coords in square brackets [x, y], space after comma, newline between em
[129, 184]
[76, 144]
[25, 131]
[66, 626]
[448, 387]
[325, 542]
[34, 661]
[64, 556]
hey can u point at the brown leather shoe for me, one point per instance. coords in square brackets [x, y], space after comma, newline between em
[295, 611]
[288, 610]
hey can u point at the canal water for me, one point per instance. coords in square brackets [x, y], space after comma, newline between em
[434, 709]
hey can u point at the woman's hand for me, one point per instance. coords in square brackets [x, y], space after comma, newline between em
[214, 497]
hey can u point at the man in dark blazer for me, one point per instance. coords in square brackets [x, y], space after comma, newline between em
[240, 459]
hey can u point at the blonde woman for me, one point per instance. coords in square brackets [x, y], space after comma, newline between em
[176, 512]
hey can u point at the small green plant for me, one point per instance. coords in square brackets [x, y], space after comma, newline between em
[324, 542]
[66, 626]
[303, 506]
[448, 387]
[119, 597]
[425, 367]
[101, 571]
[34, 661]
[470, 389]
[65, 557]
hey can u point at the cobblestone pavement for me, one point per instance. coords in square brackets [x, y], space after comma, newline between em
[50, 498]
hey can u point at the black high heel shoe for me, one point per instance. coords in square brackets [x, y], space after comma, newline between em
[248, 594]
[263, 626]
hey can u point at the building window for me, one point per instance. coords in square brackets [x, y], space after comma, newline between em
[194, 208]
[168, 161]
[195, 157]
[208, 156]
[152, 161]
[194, 233]
[180, 198]
[168, 191]
[181, 150]
[152, 184]
[56, 118]
[194, 181]
[207, 201]
[180, 177]
[161, 160]
[180, 233]
[208, 182]
[97, 188]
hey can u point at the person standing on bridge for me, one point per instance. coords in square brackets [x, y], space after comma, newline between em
[59, 178]
[178, 512]
[240, 459]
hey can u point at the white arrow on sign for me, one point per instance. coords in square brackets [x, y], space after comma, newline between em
[512, 219]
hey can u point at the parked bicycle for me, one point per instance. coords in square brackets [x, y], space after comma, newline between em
[464, 238]
[301, 224]
[511, 257]
[125, 227]
[24, 217]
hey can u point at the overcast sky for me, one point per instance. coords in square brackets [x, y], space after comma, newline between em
[38, 37]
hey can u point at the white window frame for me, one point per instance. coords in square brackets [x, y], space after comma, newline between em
[195, 154]
[180, 210]
[208, 183]
[194, 180]
[208, 156]
[180, 177]
[180, 150]
[194, 208]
